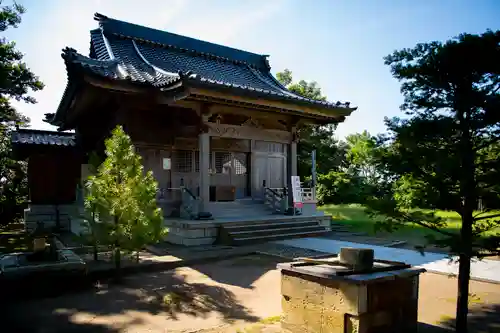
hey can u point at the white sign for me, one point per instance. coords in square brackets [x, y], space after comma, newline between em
[166, 163]
[297, 192]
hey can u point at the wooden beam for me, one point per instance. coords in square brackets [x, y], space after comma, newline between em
[321, 112]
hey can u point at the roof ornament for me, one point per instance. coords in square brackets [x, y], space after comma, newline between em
[68, 53]
[99, 17]
[266, 60]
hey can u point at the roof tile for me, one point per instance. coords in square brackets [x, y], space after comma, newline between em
[35, 137]
[126, 51]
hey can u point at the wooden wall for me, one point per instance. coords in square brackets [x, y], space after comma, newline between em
[53, 177]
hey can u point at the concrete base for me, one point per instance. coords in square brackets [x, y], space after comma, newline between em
[194, 232]
[190, 233]
[309, 208]
[47, 214]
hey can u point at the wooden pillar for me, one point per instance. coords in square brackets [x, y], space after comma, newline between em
[291, 169]
[293, 158]
[204, 147]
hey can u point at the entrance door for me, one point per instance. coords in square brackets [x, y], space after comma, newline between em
[269, 168]
[276, 170]
[260, 175]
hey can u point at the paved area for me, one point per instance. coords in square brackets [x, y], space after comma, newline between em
[234, 295]
[186, 299]
[487, 270]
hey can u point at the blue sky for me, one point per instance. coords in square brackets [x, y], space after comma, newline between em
[339, 44]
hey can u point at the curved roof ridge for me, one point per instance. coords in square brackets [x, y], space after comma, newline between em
[147, 62]
[183, 43]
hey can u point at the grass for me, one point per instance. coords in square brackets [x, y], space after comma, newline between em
[357, 219]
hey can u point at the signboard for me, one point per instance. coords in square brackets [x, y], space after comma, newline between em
[166, 163]
[296, 192]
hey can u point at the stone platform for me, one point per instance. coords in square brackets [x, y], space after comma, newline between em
[195, 232]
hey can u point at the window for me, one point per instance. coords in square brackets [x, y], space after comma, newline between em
[240, 163]
[183, 161]
[222, 162]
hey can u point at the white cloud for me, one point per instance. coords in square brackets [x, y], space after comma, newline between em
[68, 23]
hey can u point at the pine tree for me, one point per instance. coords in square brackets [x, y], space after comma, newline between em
[123, 199]
[17, 81]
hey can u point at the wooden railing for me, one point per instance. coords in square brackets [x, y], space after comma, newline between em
[276, 199]
[308, 194]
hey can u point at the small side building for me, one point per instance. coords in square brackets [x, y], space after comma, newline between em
[216, 128]
[54, 170]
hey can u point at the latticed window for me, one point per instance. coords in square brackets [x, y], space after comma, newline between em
[240, 163]
[222, 162]
[183, 161]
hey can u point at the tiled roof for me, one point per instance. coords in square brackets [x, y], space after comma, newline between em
[48, 138]
[125, 51]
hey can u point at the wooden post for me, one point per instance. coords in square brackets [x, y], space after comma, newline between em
[204, 147]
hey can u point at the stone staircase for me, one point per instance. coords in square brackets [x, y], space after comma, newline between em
[250, 222]
[243, 208]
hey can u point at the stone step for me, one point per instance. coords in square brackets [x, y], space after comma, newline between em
[247, 232]
[270, 225]
[264, 220]
[268, 238]
[276, 231]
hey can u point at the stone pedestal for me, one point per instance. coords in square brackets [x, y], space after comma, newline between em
[362, 303]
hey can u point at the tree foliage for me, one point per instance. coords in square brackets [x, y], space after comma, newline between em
[329, 153]
[121, 198]
[16, 82]
[446, 148]
[337, 187]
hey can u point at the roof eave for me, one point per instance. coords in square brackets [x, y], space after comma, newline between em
[327, 111]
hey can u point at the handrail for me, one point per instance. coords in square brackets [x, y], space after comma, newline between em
[274, 192]
[189, 192]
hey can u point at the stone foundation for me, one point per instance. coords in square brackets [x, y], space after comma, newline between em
[47, 214]
[191, 233]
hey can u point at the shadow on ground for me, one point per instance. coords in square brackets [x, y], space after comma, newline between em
[250, 268]
[484, 319]
[113, 308]
[251, 265]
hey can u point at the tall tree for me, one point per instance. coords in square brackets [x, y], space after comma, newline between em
[122, 198]
[447, 146]
[16, 82]
[362, 155]
[330, 154]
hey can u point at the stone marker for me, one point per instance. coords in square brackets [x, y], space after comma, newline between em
[357, 259]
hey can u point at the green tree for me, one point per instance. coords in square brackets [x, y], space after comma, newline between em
[362, 155]
[122, 198]
[329, 153]
[447, 145]
[338, 187]
[16, 82]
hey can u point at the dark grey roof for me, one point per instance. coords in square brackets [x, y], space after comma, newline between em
[125, 51]
[47, 138]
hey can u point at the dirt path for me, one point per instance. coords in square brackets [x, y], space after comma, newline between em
[230, 296]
